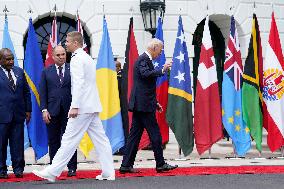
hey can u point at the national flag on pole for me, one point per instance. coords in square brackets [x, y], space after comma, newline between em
[251, 90]
[179, 110]
[131, 55]
[232, 94]
[273, 90]
[108, 91]
[53, 41]
[33, 66]
[7, 43]
[80, 29]
[207, 116]
[162, 87]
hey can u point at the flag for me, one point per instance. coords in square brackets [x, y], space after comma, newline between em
[7, 43]
[108, 91]
[80, 29]
[232, 95]
[162, 87]
[131, 55]
[86, 144]
[273, 90]
[207, 115]
[251, 90]
[33, 66]
[51, 44]
[179, 109]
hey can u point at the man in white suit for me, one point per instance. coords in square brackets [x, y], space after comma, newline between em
[83, 115]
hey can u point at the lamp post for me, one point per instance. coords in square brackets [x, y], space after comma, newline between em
[151, 10]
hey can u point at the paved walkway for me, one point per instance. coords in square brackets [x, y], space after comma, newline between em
[219, 157]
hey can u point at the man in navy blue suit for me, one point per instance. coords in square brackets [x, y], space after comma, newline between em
[143, 103]
[15, 108]
[55, 98]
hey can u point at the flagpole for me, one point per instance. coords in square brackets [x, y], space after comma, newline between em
[131, 10]
[30, 11]
[55, 9]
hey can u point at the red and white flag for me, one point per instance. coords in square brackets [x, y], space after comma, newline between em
[80, 29]
[51, 44]
[273, 90]
[207, 116]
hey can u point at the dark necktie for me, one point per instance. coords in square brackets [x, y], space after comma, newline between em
[60, 74]
[11, 80]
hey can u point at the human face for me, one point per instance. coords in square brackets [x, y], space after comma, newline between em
[157, 51]
[70, 45]
[59, 55]
[8, 60]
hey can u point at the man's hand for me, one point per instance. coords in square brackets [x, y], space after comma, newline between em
[46, 117]
[167, 66]
[73, 112]
[28, 117]
[159, 107]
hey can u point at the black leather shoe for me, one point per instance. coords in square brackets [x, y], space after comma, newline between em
[3, 176]
[124, 170]
[71, 173]
[165, 167]
[19, 175]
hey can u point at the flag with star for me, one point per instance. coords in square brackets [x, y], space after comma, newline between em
[232, 95]
[251, 90]
[162, 88]
[207, 111]
[179, 109]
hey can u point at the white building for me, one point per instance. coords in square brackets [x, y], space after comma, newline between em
[117, 13]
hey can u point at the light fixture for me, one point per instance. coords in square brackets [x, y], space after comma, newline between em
[151, 10]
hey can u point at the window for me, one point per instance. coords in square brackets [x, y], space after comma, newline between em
[64, 25]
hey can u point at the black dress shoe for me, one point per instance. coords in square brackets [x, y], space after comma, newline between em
[71, 173]
[19, 175]
[3, 176]
[124, 170]
[165, 167]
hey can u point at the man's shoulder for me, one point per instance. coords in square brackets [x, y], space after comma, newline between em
[18, 69]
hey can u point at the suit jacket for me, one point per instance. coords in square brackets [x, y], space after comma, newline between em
[14, 103]
[53, 95]
[143, 93]
[85, 95]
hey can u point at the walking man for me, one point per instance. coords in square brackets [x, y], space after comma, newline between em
[55, 98]
[143, 104]
[83, 115]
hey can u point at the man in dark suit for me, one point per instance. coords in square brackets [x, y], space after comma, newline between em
[143, 104]
[15, 108]
[55, 98]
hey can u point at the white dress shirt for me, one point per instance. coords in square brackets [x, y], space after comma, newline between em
[12, 73]
[63, 69]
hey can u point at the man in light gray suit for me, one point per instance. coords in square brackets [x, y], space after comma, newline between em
[83, 115]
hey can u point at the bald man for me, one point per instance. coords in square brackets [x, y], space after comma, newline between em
[55, 98]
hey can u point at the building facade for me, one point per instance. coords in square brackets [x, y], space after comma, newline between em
[118, 13]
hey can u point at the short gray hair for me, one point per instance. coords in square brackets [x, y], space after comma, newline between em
[154, 43]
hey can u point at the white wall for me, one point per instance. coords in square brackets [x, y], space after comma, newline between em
[118, 14]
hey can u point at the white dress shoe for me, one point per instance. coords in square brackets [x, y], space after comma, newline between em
[43, 174]
[102, 177]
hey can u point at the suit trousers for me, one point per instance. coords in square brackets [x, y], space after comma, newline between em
[14, 133]
[55, 130]
[141, 120]
[75, 129]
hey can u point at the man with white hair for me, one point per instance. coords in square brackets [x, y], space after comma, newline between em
[143, 104]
